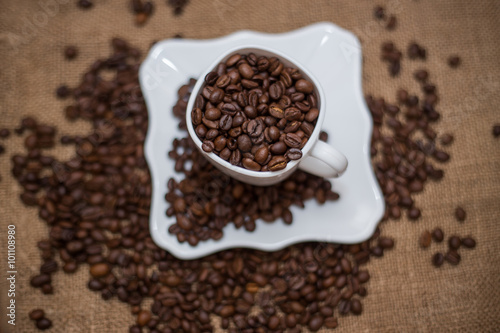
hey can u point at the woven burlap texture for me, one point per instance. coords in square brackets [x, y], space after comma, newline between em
[405, 293]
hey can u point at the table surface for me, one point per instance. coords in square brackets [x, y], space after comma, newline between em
[406, 293]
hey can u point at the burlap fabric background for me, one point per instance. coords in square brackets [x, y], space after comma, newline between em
[406, 294]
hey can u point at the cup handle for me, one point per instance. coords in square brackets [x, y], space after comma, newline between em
[324, 161]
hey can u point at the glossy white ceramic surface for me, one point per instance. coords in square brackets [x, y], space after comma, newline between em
[333, 56]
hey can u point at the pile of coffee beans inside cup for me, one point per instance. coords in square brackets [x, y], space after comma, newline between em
[255, 112]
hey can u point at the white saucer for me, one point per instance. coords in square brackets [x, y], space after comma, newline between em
[333, 55]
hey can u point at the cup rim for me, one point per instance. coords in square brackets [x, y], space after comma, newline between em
[225, 164]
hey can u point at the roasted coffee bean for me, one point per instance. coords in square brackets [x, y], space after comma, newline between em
[250, 164]
[386, 243]
[438, 235]
[208, 146]
[460, 214]
[454, 61]
[36, 314]
[99, 270]
[246, 71]
[425, 239]
[468, 242]
[379, 12]
[277, 163]
[304, 86]
[4, 133]
[438, 259]
[414, 213]
[212, 114]
[44, 323]
[496, 131]
[276, 112]
[421, 75]
[261, 155]
[85, 4]
[292, 140]
[454, 242]
[39, 280]
[452, 257]
[293, 154]
[70, 52]
[446, 139]
[143, 317]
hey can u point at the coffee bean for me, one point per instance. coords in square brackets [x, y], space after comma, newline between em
[70, 52]
[421, 75]
[304, 86]
[379, 12]
[208, 146]
[438, 235]
[4, 133]
[496, 131]
[452, 257]
[63, 91]
[39, 280]
[414, 213]
[438, 259]
[454, 61]
[250, 164]
[245, 71]
[99, 270]
[43, 324]
[386, 242]
[454, 242]
[85, 4]
[36, 314]
[446, 139]
[460, 214]
[277, 163]
[356, 307]
[292, 140]
[469, 242]
[315, 323]
[293, 154]
[425, 239]
[143, 317]
[261, 155]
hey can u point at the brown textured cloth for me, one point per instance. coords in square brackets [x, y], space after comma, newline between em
[406, 294]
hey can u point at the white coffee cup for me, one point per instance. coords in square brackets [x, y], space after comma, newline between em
[318, 157]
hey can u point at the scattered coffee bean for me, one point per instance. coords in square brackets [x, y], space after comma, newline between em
[70, 52]
[43, 324]
[85, 4]
[178, 6]
[446, 139]
[415, 51]
[496, 130]
[37, 314]
[460, 214]
[4, 133]
[454, 242]
[469, 242]
[438, 259]
[452, 257]
[379, 12]
[438, 235]
[63, 91]
[425, 239]
[454, 61]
